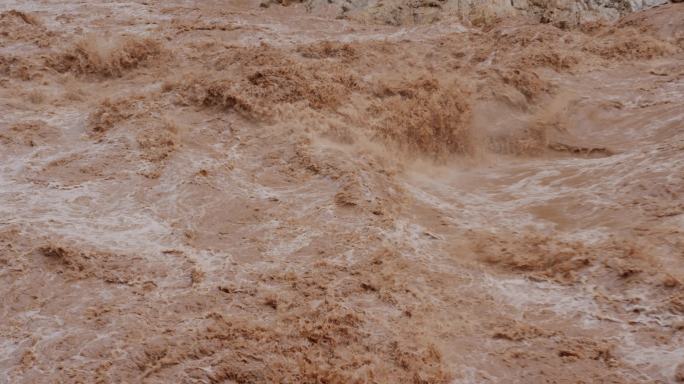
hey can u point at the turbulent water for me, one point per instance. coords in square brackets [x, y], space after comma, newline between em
[246, 192]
